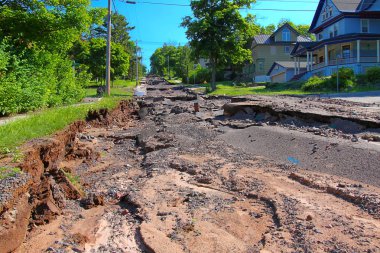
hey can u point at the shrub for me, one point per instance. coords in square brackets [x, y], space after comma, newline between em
[373, 75]
[35, 79]
[346, 78]
[361, 79]
[201, 75]
[316, 83]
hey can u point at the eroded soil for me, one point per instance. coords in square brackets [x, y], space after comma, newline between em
[164, 179]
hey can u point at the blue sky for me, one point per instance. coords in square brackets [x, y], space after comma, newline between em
[156, 24]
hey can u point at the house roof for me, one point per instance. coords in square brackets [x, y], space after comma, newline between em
[265, 39]
[286, 65]
[344, 6]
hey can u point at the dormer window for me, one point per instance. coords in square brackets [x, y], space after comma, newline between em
[285, 35]
[327, 13]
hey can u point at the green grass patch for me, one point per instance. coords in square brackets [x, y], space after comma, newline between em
[47, 122]
[9, 172]
[119, 88]
[228, 88]
[74, 180]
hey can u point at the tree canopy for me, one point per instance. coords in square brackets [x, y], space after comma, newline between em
[218, 32]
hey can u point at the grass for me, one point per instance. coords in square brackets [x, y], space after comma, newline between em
[74, 180]
[229, 89]
[47, 122]
[119, 88]
[9, 172]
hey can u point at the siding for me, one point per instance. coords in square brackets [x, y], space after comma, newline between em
[336, 12]
[264, 52]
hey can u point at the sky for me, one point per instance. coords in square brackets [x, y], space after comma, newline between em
[156, 24]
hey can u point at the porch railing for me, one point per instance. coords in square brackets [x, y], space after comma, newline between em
[344, 61]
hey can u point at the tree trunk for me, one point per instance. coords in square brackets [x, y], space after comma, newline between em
[213, 76]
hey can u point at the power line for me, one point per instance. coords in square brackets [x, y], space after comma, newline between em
[114, 6]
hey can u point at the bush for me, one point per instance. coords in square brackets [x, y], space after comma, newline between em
[346, 78]
[35, 79]
[201, 75]
[316, 83]
[373, 75]
[361, 79]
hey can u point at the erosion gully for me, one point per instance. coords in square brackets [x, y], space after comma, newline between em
[248, 174]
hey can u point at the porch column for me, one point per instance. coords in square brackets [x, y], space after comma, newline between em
[295, 65]
[311, 61]
[326, 56]
[378, 50]
[308, 61]
[299, 65]
[358, 50]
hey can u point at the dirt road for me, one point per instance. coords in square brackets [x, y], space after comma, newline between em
[157, 177]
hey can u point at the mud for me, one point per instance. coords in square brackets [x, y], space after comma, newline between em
[156, 177]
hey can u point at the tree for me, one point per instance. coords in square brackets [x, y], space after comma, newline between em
[52, 25]
[93, 54]
[218, 32]
[120, 30]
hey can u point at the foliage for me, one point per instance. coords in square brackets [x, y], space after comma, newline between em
[373, 75]
[200, 75]
[347, 78]
[218, 32]
[36, 70]
[178, 58]
[316, 83]
[35, 79]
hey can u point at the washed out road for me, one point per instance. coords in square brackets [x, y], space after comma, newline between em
[154, 176]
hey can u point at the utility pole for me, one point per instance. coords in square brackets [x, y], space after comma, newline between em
[108, 60]
[137, 66]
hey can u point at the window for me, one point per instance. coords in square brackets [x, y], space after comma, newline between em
[365, 25]
[285, 35]
[335, 30]
[320, 36]
[286, 49]
[346, 51]
[260, 63]
[327, 13]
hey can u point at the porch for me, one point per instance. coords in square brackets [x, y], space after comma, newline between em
[324, 59]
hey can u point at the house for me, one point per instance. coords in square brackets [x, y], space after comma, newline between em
[348, 34]
[283, 71]
[266, 49]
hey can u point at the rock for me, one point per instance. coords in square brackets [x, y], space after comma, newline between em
[309, 218]
[92, 200]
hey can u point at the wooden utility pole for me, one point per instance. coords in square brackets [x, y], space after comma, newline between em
[137, 65]
[108, 54]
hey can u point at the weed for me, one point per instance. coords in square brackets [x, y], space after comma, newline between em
[74, 180]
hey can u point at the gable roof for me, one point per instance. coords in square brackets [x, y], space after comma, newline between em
[287, 26]
[344, 6]
[266, 39]
[286, 65]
